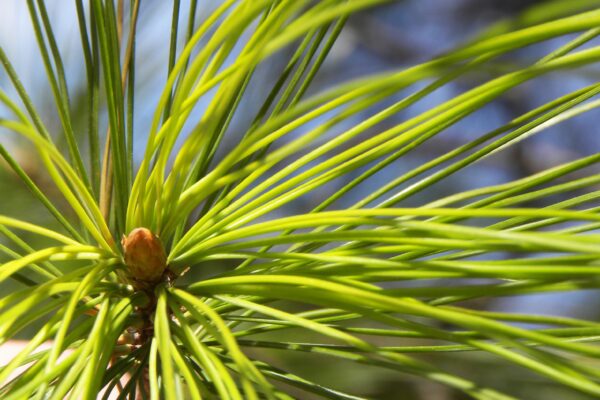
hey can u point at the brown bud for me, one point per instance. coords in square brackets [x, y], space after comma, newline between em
[144, 255]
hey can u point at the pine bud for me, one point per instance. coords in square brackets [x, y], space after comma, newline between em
[144, 255]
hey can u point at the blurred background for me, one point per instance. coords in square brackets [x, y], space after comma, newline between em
[388, 38]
